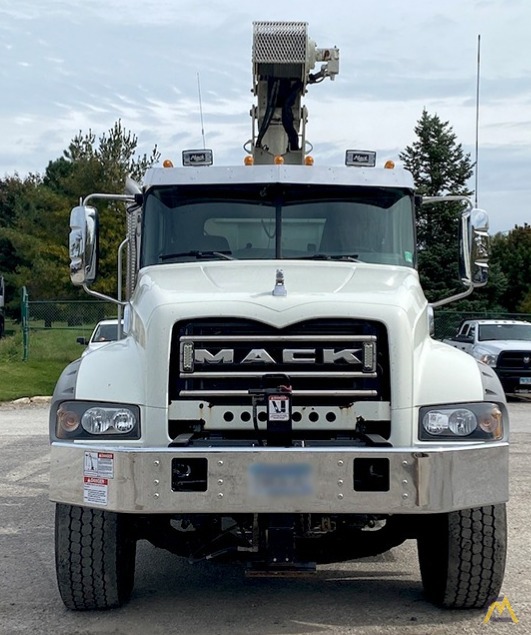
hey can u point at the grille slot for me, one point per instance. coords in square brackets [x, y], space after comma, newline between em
[328, 361]
[514, 360]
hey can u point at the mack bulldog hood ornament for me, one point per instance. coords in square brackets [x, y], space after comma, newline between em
[279, 288]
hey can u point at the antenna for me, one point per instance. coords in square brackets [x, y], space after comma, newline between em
[477, 124]
[201, 110]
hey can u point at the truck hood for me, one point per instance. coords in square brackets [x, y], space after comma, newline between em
[172, 293]
[215, 288]
[497, 346]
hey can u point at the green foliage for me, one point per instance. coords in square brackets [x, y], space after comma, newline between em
[50, 351]
[103, 166]
[439, 166]
[437, 162]
[490, 297]
[38, 236]
[34, 214]
[11, 191]
[30, 231]
[511, 253]
[28, 379]
[111, 160]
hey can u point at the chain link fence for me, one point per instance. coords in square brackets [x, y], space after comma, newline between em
[46, 314]
[72, 315]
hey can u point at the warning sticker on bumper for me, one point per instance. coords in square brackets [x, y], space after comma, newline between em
[95, 490]
[99, 464]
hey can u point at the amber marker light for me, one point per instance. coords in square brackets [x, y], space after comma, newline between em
[492, 422]
[67, 422]
[308, 160]
[389, 165]
[167, 163]
[278, 160]
[248, 160]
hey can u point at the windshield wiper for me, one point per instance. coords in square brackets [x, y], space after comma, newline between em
[349, 257]
[196, 254]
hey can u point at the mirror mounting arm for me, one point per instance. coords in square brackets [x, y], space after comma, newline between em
[128, 198]
[473, 244]
[102, 296]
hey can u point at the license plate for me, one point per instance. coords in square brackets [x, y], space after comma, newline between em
[279, 479]
[525, 381]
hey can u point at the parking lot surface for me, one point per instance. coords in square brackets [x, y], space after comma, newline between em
[370, 596]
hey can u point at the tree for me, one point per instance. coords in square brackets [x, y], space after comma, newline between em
[34, 212]
[36, 238]
[511, 252]
[102, 166]
[439, 166]
[12, 191]
[17, 198]
[114, 153]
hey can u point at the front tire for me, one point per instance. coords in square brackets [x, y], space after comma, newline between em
[94, 557]
[462, 556]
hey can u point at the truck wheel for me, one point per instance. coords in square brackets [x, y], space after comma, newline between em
[94, 557]
[462, 556]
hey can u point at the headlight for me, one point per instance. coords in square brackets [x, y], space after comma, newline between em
[83, 419]
[472, 421]
[488, 358]
[459, 422]
[108, 420]
[462, 422]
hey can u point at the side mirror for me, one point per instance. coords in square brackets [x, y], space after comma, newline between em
[82, 340]
[83, 245]
[474, 247]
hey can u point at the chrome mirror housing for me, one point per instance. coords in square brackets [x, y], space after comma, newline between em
[83, 245]
[474, 247]
[479, 247]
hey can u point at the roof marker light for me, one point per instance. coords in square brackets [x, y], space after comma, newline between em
[192, 158]
[360, 158]
[167, 163]
[308, 160]
[278, 160]
[248, 160]
[389, 165]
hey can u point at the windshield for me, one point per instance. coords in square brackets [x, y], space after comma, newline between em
[265, 221]
[105, 333]
[504, 332]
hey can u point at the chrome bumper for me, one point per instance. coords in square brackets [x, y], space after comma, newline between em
[138, 480]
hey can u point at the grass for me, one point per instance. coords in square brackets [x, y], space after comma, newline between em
[50, 350]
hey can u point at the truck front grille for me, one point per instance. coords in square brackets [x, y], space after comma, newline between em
[328, 361]
[514, 360]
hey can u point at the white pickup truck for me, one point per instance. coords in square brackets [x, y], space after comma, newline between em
[505, 345]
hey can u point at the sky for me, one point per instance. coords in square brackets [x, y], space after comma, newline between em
[68, 66]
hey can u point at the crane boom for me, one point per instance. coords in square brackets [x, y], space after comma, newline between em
[283, 58]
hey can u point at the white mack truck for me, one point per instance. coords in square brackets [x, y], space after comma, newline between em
[275, 395]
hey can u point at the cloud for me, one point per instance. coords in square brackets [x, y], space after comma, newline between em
[71, 65]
